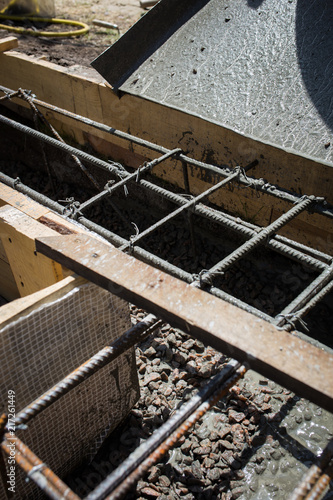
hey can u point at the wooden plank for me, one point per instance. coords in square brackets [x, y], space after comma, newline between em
[21, 202]
[279, 355]
[31, 271]
[24, 305]
[7, 43]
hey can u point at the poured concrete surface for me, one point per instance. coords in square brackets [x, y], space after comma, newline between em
[261, 68]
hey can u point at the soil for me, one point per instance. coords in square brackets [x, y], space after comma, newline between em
[84, 49]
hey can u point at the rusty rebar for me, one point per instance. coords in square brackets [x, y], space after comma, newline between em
[187, 205]
[313, 475]
[171, 441]
[321, 484]
[36, 470]
[255, 241]
[306, 300]
[135, 334]
[109, 190]
[259, 185]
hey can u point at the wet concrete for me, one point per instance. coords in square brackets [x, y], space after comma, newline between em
[262, 68]
[287, 448]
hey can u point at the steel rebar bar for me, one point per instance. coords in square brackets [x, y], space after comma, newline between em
[256, 240]
[256, 184]
[108, 191]
[73, 211]
[150, 258]
[132, 336]
[311, 295]
[36, 470]
[314, 473]
[158, 454]
[186, 206]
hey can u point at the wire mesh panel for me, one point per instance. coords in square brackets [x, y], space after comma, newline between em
[39, 349]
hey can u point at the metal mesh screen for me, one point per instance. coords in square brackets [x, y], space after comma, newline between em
[41, 348]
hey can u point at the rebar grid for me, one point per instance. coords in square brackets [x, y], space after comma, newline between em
[256, 236]
[257, 184]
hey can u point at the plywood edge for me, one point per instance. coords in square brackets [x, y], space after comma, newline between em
[8, 43]
[25, 305]
[9, 196]
[31, 270]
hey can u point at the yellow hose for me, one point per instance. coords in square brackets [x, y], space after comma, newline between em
[24, 31]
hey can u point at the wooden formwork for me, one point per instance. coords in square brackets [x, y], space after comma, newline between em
[54, 322]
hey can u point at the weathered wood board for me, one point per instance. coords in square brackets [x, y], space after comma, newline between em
[279, 355]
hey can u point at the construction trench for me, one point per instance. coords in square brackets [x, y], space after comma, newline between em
[232, 315]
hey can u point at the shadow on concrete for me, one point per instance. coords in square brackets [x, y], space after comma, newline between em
[314, 42]
[254, 4]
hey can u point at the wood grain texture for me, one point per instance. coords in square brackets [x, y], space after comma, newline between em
[7, 43]
[24, 305]
[31, 271]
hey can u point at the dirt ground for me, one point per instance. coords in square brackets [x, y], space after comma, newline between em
[82, 50]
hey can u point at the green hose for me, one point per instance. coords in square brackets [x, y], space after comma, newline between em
[24, 31]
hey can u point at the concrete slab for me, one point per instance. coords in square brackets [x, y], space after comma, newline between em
[261, 68]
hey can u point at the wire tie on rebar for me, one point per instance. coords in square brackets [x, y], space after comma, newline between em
[291, 320]
[133, 236]
[260, 184]
[9, 95]
[16, 182]
[202, 281]
[242, 173]
[35, 468]
[302, 198]
[108, 185]
[72, 209]
[138, 172]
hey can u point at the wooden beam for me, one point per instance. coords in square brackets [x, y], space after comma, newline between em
[279, 355]
[9, 196]
[7, 43]
[31, 271]
[8, 287]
